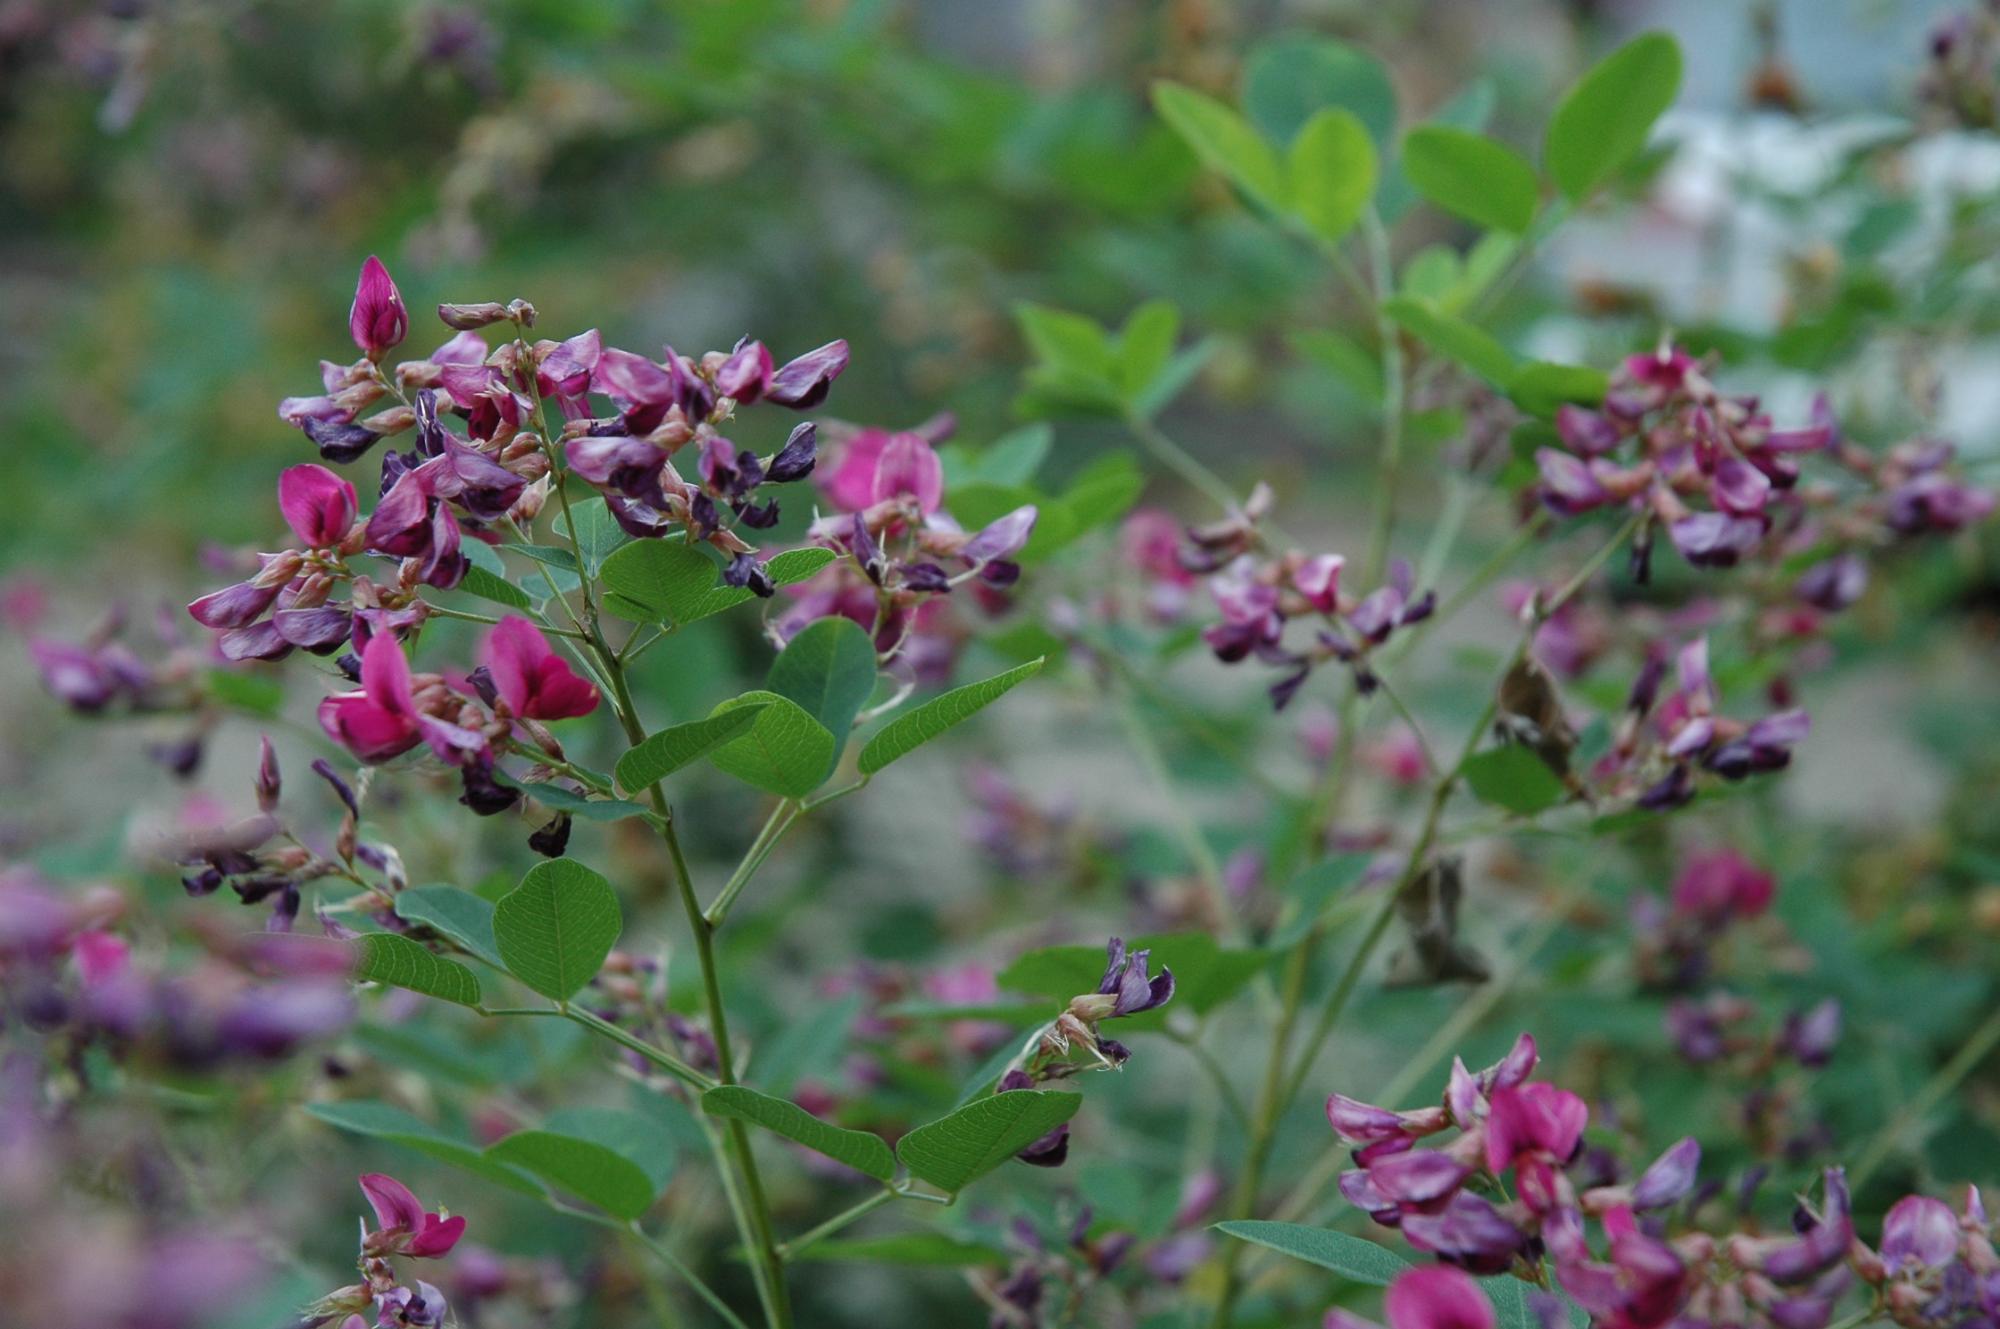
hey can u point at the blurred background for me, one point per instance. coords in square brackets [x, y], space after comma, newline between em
[187, 188]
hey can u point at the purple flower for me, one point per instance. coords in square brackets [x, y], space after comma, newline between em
[1822, 1245]
[1811, 1035]
[1715, 539]
[1669, 1178]
[1834, 583]
[1918, 1233]
[1125, 979]
[803, 383]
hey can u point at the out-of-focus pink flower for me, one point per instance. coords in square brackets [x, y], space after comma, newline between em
[1721, 884]
[404, 1228]
[1431, 1296]
[909, 468]
[534, 681]
[1918, 1233]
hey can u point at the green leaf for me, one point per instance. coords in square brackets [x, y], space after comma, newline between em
[1205, 975]
[559, 798]
[639, 1139]
[1146, 344]
[584, 1168]
[1351, 1257]
[829, 670]
[1014, 457]
[1472, 176]
[1453, 337]
[1102, 491]
[383, 1121]
[661, 754]
[1290, 78]
[556, 927]
[786, 752]
[549, 556]
[1603, 121]
[1358, 370]
[654, 581]
[1066, 340]
[1174, 377]
[1224, 141]
[1541, 388]
[858, 1149]
[486, 577]
[1331, 167]
[598, 533]
[906, 1248]
[259, 693]
[387, 957]
[911, 730]
[954, 1150]
[458, 915]
[1514, 778]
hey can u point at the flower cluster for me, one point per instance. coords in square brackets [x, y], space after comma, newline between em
[1715, 890]
[1511, 1126]
[901, 550]
[1658, 745]
[1259, 595]
[403, 1228]
[1933, 1268]
[67, 972]
[1726, 484]
[1125, 989]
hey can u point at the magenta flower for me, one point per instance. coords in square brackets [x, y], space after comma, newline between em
[1721, 884]
[532, 679]
[382, 721]
[1433, 1296]
[377, 319]
[1535, 1119]
[909, 468]
[404, 1227]
[318, 505]
[746, 373]
[803, 383]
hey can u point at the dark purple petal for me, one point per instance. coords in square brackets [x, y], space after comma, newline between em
[803, 383]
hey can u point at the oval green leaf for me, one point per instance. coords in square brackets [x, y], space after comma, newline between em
[1288, 79]
[908, 732]
[672, 748]
[1472, 176]
[954, 1150]
[459, 915]
[1604, 120]
[387, 957]
[384, 1121]
[1224, 141]
[584, 1168]
[786, 751]
[860, 1150]
[1331, 167]
[1351, 1257]
[828, 669]
[556, 927]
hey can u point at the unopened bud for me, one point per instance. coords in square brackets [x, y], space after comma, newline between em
[392, 421]
[471, 317]
[521, 312]
[280, 569]
[269, 782]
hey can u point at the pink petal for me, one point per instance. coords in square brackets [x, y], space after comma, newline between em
[318, 505]
[910, 468]
[1437, 1296]
[394, 1204]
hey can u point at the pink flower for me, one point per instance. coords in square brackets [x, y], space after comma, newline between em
[534, 681]
[1721, 884]
[1533, 1119]
[405, 1229]
[380, 721]
[318, 505]
[909, 468]
[377, 319]
[849, 484]
[101, 957]
[1431, 1296]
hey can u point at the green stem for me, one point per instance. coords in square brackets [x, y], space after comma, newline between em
[791, 1249]
[664, 1060]
[1962, 1064]
[1389, 461]
[775, 826]
[464, 616]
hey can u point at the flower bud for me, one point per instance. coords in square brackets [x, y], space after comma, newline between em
[472, 317]
[269, 783]
[377, 319]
